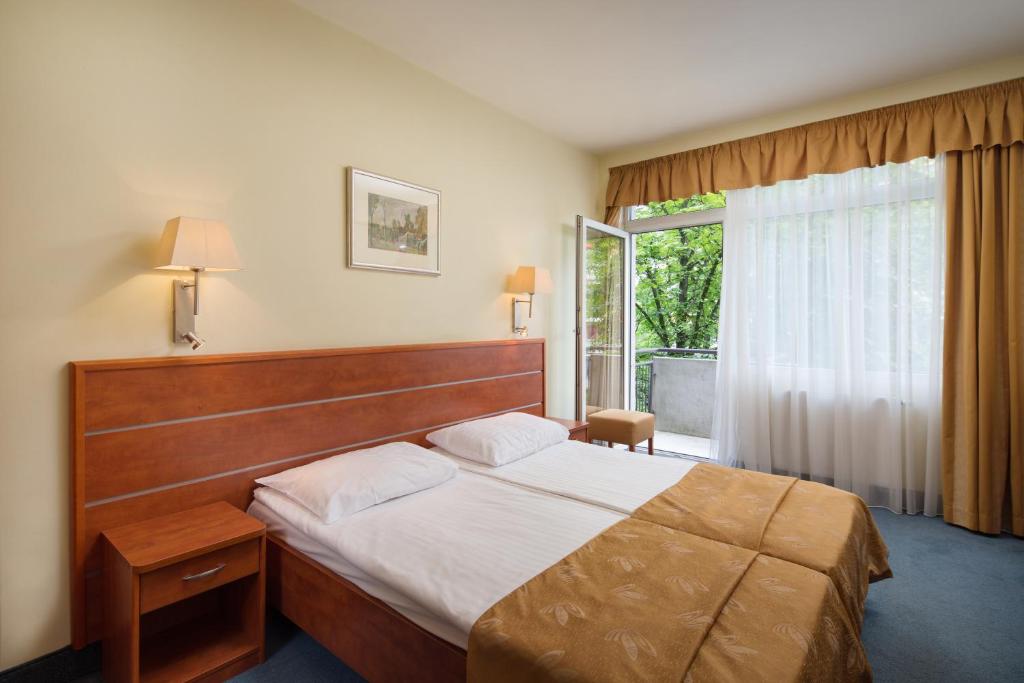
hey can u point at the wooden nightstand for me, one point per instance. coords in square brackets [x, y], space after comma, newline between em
[183, 596]
[577, 429]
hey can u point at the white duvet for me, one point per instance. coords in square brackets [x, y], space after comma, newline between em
[445, 555]
[597, 475]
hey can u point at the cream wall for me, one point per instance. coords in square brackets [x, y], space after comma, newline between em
[115, 116]
[968, 77]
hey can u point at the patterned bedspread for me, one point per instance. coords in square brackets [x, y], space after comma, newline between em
[648, 602]
[817, 526]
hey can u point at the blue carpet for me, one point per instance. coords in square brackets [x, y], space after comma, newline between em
[953, 612]
[294, 657]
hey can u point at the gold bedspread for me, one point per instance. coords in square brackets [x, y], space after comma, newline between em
[813, 525]
[646, 602]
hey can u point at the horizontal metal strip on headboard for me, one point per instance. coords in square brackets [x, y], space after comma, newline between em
[300, 404]
[123, 462]
[135, 391]
[293, 458]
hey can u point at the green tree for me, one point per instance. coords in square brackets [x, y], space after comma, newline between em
[698, 202]
[679, 278]
[603, 281]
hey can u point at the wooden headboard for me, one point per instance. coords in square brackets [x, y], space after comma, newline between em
[156, 435]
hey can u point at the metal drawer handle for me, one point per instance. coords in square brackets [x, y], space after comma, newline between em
[203, 575]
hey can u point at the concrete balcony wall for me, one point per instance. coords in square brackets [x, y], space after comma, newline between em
[684, 395]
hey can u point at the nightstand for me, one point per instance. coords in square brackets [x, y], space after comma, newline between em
[577, 429]
[183, 596]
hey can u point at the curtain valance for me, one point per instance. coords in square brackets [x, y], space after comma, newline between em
[988, 116]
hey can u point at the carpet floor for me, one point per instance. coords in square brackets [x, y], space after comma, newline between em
[953, 612]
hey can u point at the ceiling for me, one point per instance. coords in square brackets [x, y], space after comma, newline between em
[602, 74]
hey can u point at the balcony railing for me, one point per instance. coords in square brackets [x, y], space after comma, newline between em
[644, 386]
[671, 351]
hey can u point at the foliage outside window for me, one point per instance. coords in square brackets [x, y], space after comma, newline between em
[603, 280]
[698, 202]
[679, 277]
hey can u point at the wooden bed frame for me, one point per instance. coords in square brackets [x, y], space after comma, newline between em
[153, 436]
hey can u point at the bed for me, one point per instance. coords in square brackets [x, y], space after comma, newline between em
[817, 526]
[484, 538]
[536, 586]
[153, 436]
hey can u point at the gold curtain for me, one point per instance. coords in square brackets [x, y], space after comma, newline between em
[988, 116]
[983, 373]
[613, 216]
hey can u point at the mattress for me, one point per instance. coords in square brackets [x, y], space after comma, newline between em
[592, 474]
[443, 556]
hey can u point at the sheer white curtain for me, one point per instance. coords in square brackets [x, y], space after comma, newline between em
[830, 333]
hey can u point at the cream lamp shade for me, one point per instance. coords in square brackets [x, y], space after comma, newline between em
[197, 244]
[531, 280]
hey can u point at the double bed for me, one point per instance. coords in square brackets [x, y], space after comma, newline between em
[482, 575]
[814, 525]
[480, 539]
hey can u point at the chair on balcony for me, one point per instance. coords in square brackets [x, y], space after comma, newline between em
[622, 426]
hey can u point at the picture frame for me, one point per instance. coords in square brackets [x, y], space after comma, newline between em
[393, 224]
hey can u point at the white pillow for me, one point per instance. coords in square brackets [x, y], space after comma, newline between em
[501, 439]
[347, 483]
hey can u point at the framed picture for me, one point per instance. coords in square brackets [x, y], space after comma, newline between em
[392, 224]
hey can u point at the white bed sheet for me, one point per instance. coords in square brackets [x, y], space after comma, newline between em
[592, 474]
[315, 550]
[443, 556]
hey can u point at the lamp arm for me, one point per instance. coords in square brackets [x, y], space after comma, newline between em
[195, 290]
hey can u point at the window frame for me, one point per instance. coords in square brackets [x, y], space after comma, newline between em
[685, 219]
[638, 226]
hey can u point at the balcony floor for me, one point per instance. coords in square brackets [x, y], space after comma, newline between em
[672, 445]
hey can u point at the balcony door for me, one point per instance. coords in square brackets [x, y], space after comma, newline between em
[604, 317]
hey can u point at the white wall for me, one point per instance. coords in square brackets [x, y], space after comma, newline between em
[117, 115]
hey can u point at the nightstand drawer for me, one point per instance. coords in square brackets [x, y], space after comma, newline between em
[579, 435]
[193, 576]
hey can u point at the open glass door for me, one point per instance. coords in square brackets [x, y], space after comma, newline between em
[604, 309]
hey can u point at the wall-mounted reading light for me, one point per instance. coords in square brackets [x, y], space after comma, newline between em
[194, 244]
[527, 280]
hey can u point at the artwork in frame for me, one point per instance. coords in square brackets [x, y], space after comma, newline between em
[392, 224]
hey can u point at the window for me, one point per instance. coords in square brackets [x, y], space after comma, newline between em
[671, 207]
[837, 259]
[678, 287]
[678, 256]
[830, 362]
[677, 248]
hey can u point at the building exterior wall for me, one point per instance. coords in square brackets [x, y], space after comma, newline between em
[684, 395]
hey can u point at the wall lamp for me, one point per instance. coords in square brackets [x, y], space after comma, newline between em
[195, 244]
[527, 280]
